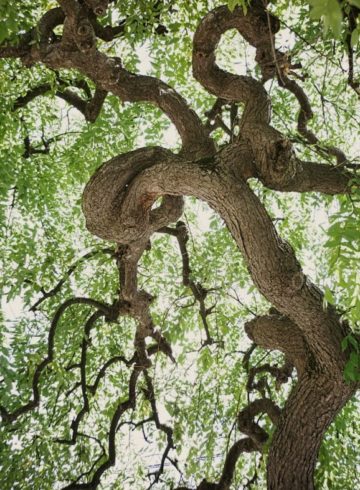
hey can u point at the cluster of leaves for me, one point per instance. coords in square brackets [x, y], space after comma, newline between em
[43, 233]
[331, 12]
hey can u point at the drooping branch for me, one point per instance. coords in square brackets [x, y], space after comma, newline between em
[96, 461]
[198, 291]
[90, 109]
[352, 16]
[305, 115]
[168, 431]
[257, 437]
[18, 51]
[102, 371]
[106, 310]
[53, 291]
[31, 150]
[138, 303]
[83, 383]
[121, 408]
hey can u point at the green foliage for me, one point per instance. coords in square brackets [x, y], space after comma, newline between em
[352, 368]
[330, 13]
[43, 233]
[241, 3]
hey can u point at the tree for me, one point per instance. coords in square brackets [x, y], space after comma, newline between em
[108, 348]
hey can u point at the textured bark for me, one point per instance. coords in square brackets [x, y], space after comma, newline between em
[117, 204]
[314, 334]
[277, 332]
[271, 261]
[308, 412]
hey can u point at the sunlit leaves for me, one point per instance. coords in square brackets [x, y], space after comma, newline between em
[43, 233]
[330, 12]
[344, 255]
[241, 3]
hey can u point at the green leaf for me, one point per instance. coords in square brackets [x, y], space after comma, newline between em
[328, 295]
[355, 37]
[356, 3]
[330, 12]
[335, 17]
[232, 4]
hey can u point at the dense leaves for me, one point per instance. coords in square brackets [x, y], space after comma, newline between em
[48, 152]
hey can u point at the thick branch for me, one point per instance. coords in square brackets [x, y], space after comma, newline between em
[224, 85]
[315, 177]
[108, 74]
[277, 332]
[274, 268]
[311, 407]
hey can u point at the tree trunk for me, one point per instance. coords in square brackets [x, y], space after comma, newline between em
[309, 411]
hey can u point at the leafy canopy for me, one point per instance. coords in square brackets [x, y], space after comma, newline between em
[48, 153]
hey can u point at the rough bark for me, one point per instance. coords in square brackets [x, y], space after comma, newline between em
[117, 204]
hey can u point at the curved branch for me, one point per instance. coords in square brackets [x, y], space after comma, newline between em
[234, 88]
[281, 374]
[101, 374]
[257, 436]
[114, 209]
[272, 153]
[241, 446]
[305, 115]
[352, 15]
[90, 109]
[109, 75]
[277, 332]
[53, 291]
[252, 429]
[111, 459]
[85, 408]
[105, 309]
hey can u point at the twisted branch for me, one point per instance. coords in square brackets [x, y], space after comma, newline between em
[105, 310]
